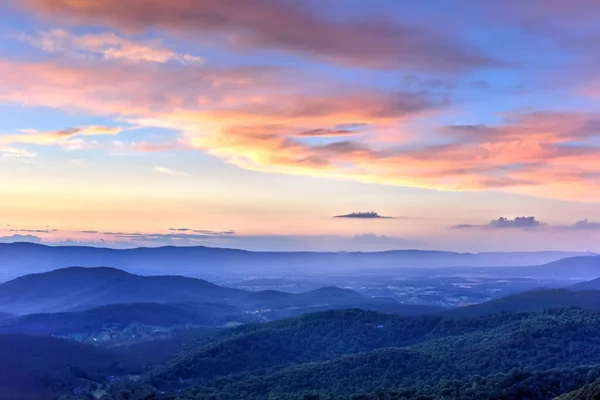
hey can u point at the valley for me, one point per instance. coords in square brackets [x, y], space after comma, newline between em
[449, 335]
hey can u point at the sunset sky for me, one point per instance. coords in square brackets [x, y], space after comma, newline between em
[255, 123]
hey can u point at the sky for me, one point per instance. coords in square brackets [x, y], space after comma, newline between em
[327, 125]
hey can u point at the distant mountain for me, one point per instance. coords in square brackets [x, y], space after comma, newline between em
[43, 367]
[594, 284]
[572, 267]
[569, 268]
[533, 301]
[78, 289]
[21, 258]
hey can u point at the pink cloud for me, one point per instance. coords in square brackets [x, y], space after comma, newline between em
[269, 24]
[255, 120]
[109, 46]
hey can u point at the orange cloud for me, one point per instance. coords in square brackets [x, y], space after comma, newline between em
[131, 90]
[12, 152]
[258, 119]
[61, 137]
[547, 127]
[325, 132]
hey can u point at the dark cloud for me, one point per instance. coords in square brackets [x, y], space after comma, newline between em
[203, 231]
[478, 132]
[189, 237]
[372, 104]
[292, 27]
[68, 132]
[97, 243]
[506, 223]
[465, 226]
[326, 133]
[214, 233]
[352, 126]
[161, 236]
[519, 222]
[585, 224]
[34, 230]
[363, 215]
[347, 129]
[20, 238]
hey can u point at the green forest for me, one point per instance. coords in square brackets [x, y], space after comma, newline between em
[364, 355]
[540, 344]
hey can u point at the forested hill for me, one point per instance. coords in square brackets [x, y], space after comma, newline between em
[36, 368]
[532, 301]
[588, 285]
[76, 288]
[342, 354]
[321, 349]
[338, 355]
[588, 392]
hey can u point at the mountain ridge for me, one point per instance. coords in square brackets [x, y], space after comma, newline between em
[211, 262]
[531, 301]
[79, 288]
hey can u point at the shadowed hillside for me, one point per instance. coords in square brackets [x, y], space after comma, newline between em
[78, 289]
[122, 322]
[34, 368]
[352, 352]
[536, 300]
[588, 392]
[588, 285]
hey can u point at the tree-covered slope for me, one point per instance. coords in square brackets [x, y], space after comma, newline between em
[110, 321]
[311, 337]
[533, 301]
[590, 391]
[41, 367]
[71, 289]
[353, 351]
